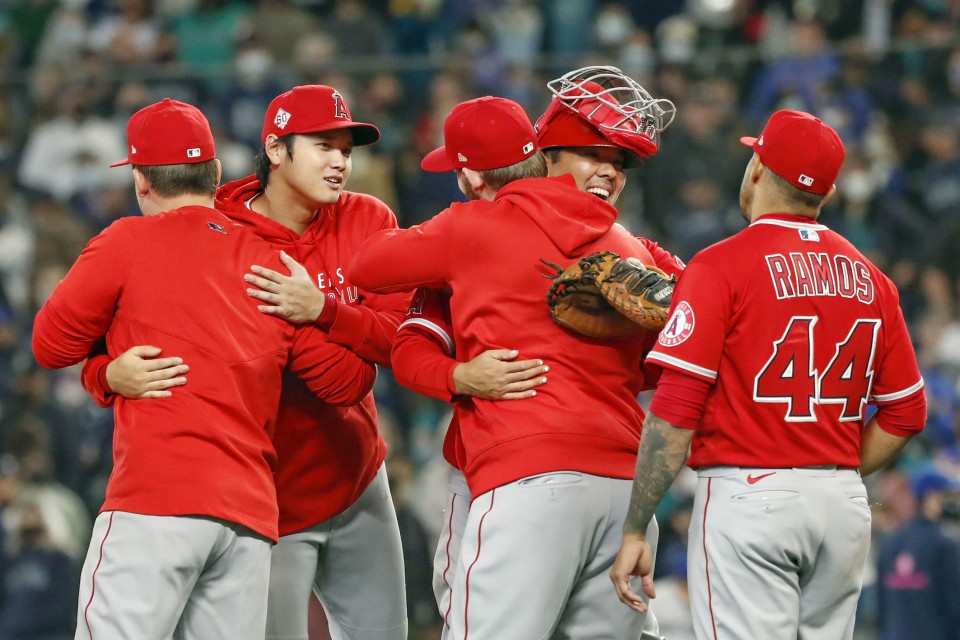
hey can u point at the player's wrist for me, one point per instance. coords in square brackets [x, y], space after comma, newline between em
[634, 529]
[460, 386]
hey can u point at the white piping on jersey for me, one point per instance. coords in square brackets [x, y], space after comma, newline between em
[792, 225]
[683, 364]
[434, 327]
[887, 397]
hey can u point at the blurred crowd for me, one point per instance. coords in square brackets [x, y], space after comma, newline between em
[884, 73]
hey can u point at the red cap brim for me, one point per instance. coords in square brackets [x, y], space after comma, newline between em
[364, 134]
[437, 161]
[747, 141]
[121, 163]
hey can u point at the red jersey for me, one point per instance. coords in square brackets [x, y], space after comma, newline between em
[175, 280]
[586, 418]
[428, 325]
[798, 331]
[420, 366]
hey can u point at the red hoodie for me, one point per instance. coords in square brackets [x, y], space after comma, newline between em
[586, 418]
[175, 280]
[420, 365]
[327, 455]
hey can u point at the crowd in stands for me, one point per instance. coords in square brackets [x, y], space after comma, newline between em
[884, 73]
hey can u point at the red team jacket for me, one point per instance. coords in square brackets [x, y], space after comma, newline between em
[797, 332]
[327, 454]
[586, 417]
[175, 280]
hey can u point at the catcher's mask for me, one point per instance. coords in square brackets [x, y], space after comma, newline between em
[622, 113]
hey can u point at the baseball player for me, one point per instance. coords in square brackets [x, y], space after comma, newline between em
[182, 545]
[424, 349]
[338, 528]
[546, 474]
[779, 338]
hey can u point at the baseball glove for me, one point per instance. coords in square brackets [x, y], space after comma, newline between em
[603, 296]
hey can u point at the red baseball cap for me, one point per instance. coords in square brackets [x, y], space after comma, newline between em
[561, 127]
[801, 149]
[312, 108]
[484, 133]
[168, 132]
[575, 121]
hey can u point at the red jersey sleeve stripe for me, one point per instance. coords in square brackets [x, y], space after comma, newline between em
[433, 328]
[677, 363]
[897, 395]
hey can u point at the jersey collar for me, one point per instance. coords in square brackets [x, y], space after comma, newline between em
[788, 220]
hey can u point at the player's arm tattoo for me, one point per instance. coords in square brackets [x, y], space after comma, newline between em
[663, 449]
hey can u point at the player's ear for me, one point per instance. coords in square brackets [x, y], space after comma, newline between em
[274, 148]
[474, 179]
[141, 183]
[757, 169]
[219, 169]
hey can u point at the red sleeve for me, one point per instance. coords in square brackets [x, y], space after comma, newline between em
[680, 399]
[404, 259]
[368, 329]
[898, 387]
[699, 352]
[905, 417]
[329, 313]
[94, 377]
[79, 311]
[897, 372]
[420, 364]
[423, 349]
[335, 374]
[663, 259]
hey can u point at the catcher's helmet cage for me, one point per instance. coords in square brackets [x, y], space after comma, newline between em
[617, 105]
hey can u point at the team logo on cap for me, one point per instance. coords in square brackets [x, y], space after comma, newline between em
[339, 106]
[461, 157]
[805, 180]
[760, 142]
[679, 327]
[281, 119]
[194, 152]
[133, 150]
[527, 148]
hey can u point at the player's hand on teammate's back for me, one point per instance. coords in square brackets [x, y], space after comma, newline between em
[295, 298]
[635, 558]
[493, 375]
[137, 373]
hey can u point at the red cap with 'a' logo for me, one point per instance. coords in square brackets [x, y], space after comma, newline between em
[484, 133]
[313, 108]
[168, 132]
[800, 149]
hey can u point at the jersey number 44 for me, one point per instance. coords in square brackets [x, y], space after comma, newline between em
[790, 376]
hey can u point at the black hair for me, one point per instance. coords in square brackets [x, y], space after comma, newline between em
[263, 162]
